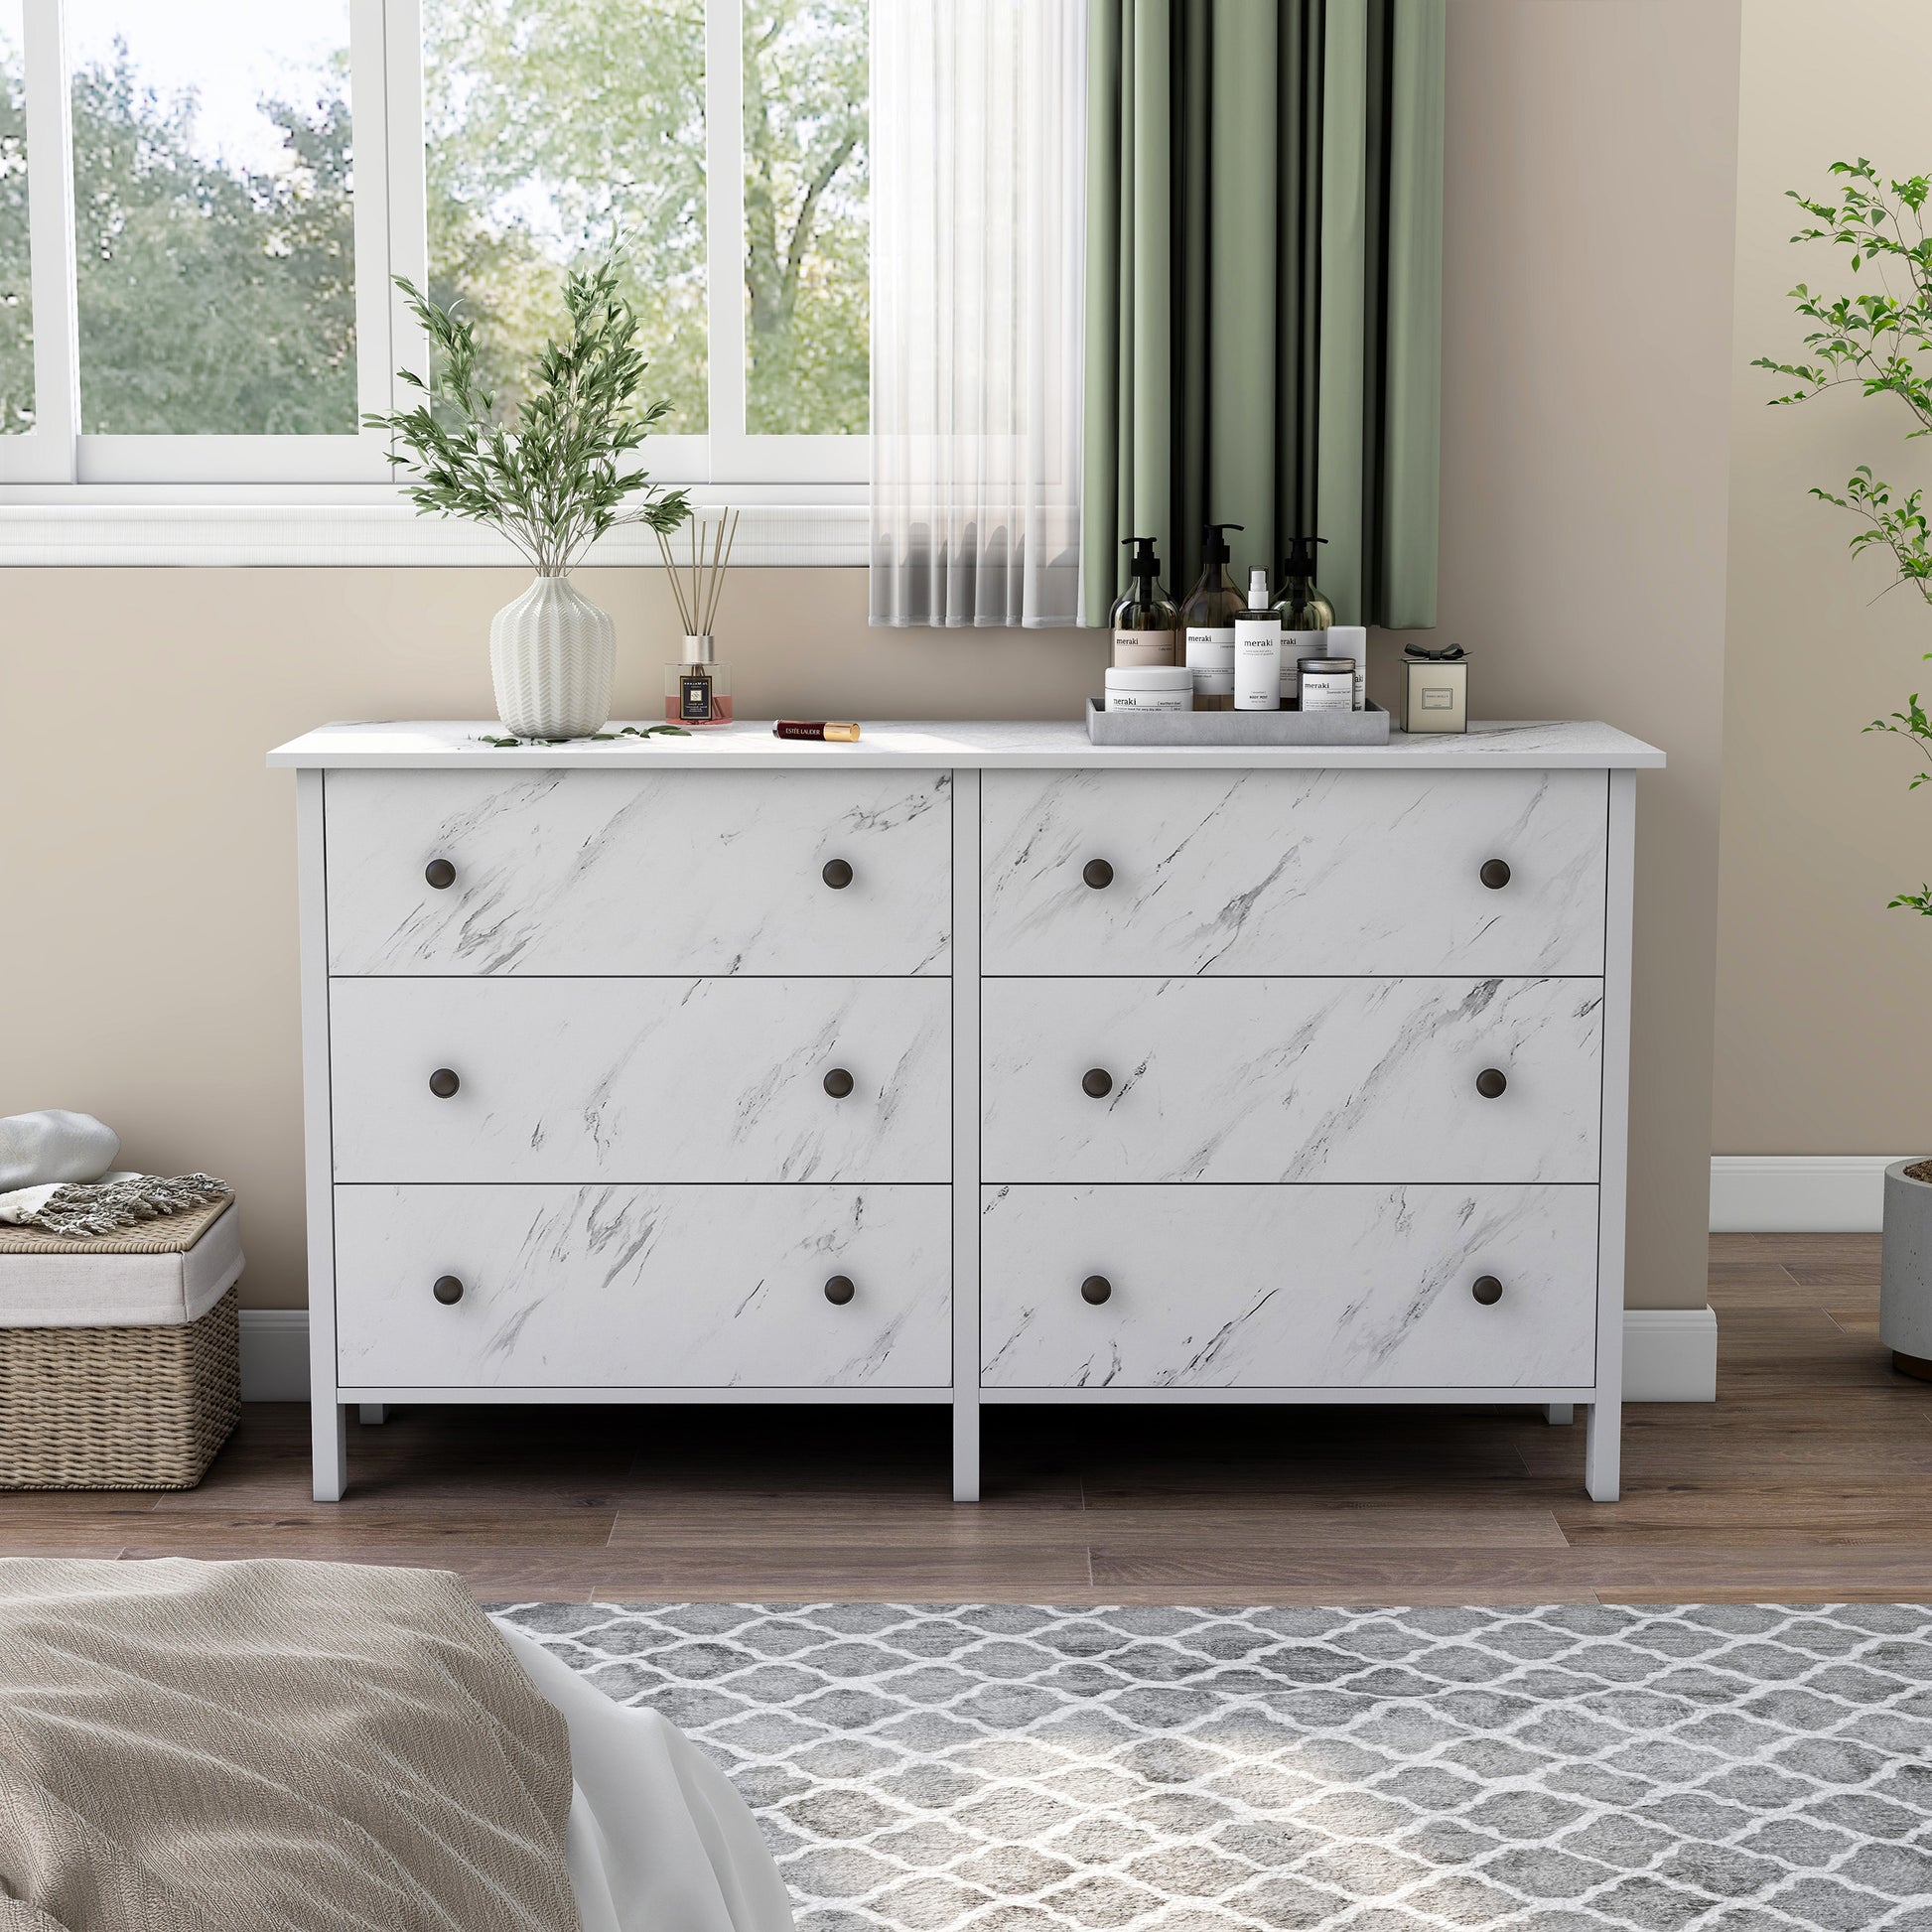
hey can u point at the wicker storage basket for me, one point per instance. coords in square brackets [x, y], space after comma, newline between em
[118, 1408]
[131, 1406]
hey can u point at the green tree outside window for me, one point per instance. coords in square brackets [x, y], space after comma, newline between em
[213, 300]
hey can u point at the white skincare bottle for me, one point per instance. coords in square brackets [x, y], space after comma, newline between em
[1258, 651]
[1351, 640]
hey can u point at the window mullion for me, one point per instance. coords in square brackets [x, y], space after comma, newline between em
[724, 121]
[368, 105]
[407, 229]
[48, 451]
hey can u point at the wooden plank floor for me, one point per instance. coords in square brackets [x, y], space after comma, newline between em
[1810, 1479]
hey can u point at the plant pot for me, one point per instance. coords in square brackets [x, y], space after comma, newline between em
[1905, 1277]
[552, 653]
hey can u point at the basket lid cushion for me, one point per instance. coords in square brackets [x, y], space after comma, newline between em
[171, 1269]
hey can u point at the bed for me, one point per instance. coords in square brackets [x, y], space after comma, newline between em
[279, 1746]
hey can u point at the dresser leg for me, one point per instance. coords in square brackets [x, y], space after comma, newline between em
[1602, 1449]
[375, 1412]
[965, 1452]
[328, 1422]
[1559, 1415]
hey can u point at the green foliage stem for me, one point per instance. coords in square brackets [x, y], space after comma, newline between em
[1882, 341]
[556, 482]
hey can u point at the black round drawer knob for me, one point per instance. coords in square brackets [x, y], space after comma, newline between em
[838, 1083]
[1096, 1083]
[448, 1290]
[1495, 873]
[1491, 1083]
[839, 1291]
[1097, 872]
[440, 874]
[443, 1083]
[837, 875]
[1487, 1290]
[1096, 1289]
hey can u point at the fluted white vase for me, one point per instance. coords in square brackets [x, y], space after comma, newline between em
[552, 653]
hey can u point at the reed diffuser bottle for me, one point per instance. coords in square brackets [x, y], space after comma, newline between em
[698, 688]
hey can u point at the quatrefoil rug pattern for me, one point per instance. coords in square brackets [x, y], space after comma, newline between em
[1012, 1769]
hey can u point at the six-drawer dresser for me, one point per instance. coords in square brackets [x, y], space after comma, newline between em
[969, 1064]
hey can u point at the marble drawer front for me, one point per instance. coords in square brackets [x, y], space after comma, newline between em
[643, 1287]
[1294, 871]
[641, 1079]
[639, 872]
[1291, 1079]
[1296, 1287]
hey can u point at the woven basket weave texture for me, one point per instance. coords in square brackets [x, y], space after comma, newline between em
[124, 1407]
[166, 1234]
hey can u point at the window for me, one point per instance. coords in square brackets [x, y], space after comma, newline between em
[202, 204]
[806, 282]
[16, 279]
[557, 129]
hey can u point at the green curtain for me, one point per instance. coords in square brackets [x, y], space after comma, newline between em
[1264, 291]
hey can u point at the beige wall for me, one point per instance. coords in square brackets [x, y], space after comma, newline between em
[147, 968]
[1586, 336]
[1821, 991]
[147, 914]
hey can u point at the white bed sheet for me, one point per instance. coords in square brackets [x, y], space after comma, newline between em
[657, 1840]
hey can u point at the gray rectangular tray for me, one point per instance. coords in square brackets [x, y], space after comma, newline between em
[1104, 726]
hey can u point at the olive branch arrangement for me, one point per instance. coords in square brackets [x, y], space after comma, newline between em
[553, 480]
[1876, 339]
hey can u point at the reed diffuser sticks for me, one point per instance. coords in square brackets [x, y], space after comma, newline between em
[697, 601]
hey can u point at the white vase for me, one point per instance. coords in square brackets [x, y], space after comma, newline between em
[552, 653]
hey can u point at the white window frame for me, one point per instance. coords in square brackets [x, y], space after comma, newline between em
[55, 464]
[735, 456]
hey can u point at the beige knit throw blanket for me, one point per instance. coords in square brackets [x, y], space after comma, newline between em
[271, 1747]
[89, 1207]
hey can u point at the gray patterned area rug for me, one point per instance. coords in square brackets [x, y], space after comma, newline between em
[1015, 1769]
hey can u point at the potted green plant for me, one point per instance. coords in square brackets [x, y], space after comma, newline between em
[1880, 340]
[552, 479]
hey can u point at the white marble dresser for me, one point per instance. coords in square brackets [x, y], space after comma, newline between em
[970, 1065]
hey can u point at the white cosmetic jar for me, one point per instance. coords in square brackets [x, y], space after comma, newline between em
[1150, 687]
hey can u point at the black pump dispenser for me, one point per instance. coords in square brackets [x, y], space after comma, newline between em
[1301, 556]
[1306, 615]
[1147, 627]
[1214, 545]
[1207, 624]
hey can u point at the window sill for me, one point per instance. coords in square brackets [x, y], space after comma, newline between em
[330, 531]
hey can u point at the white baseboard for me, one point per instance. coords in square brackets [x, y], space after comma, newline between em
[274, 1354]
[1669, 1355]
[1798, 1193]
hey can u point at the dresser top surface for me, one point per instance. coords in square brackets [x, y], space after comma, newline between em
[457, 744]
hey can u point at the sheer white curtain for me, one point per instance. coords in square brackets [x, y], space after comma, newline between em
[978, 253]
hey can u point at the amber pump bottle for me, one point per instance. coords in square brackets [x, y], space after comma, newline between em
[1146, 627]
[1207, 619]
[1306, 615]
